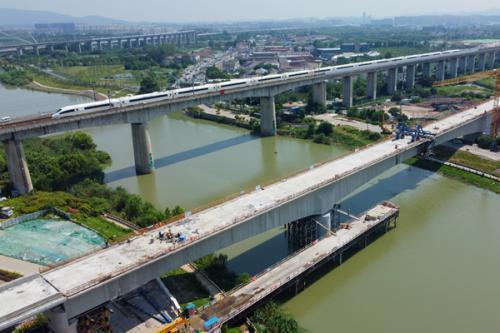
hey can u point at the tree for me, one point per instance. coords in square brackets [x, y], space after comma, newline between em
[149, 84]
[325, 128]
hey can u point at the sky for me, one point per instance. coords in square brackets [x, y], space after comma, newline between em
[236, 10]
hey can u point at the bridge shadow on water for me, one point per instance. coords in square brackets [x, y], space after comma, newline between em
[128, 172]
[383, 188]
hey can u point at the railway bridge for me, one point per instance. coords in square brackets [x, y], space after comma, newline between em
[265, 88]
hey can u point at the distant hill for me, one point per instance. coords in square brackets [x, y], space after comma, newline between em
[18, 17]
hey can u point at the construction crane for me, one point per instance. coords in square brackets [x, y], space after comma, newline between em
[495, 122]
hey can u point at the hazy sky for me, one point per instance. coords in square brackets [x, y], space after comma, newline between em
[224, 10]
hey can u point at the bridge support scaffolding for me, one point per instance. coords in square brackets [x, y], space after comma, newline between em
[143, 153]
[372, 85]
[58, 321]
[267, 116]
[392, 81]
[347, 91]
[18, 167]
[319, 93]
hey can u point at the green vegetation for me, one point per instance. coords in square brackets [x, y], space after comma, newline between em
[149, 84]
[463, 176]
[37, 325]
[14, 76]
[271, 318]
[216, 269]
[81, 210]
[328, 134]
[57, 163]
[186, 287]
[72, 163]
[214, 73]
[486, 141]
[467, 159]
[8, 275]
[369, 115]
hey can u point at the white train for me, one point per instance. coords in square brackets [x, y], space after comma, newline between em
[221, 87]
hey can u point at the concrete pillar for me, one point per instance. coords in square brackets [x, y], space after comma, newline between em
[37, 50]
[325, 222]
[440, 70]
[319, 93]
[372, 85]
[20, 51]
[427, 70]
[51, 48]
[18, 167]
[392, 81]
[491, 60]
[143, 153]
[267, 116]
[453, 67]
[100, 45]
[58, 321]
[471, 64]
[66, 47]
[79, 47]
[462, 65]
[130, 43]
[347, 91]
[410, 77]
[482, 62]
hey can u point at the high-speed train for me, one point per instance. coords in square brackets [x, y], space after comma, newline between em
[222, 87]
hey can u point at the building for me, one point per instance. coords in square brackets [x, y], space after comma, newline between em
[327, 53]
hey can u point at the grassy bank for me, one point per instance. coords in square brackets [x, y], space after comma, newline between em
[463, 176]
[467, 159]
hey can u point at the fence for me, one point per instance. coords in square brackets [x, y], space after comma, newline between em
[27, 217]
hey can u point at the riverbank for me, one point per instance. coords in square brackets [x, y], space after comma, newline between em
[316, 130]
[95, 95]
[458, 174]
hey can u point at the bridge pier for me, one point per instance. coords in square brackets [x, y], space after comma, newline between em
[491, 60]
[18, 167]
[453, 68]
[267, 116]
[471, 64]
[392, 81]
[410, 77]
[427, 70]
[20, 51]
[482, 62]
[58, 321]
[372, 85]
[347, 92]
[143, 153]
[462, 65]
[440, 70]
[319, 93]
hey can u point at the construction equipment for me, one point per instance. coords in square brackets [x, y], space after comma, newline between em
[495, 123]
[416, 133]
[179, 325]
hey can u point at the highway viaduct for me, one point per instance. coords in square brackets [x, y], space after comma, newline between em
[66, 291]
[138, 116]
[101, 43]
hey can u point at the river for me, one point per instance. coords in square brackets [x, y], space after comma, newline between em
[438, 271]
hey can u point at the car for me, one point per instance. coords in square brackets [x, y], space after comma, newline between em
[5, 119]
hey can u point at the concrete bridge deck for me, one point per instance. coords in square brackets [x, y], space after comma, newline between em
[99, 277]
[280, 275]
